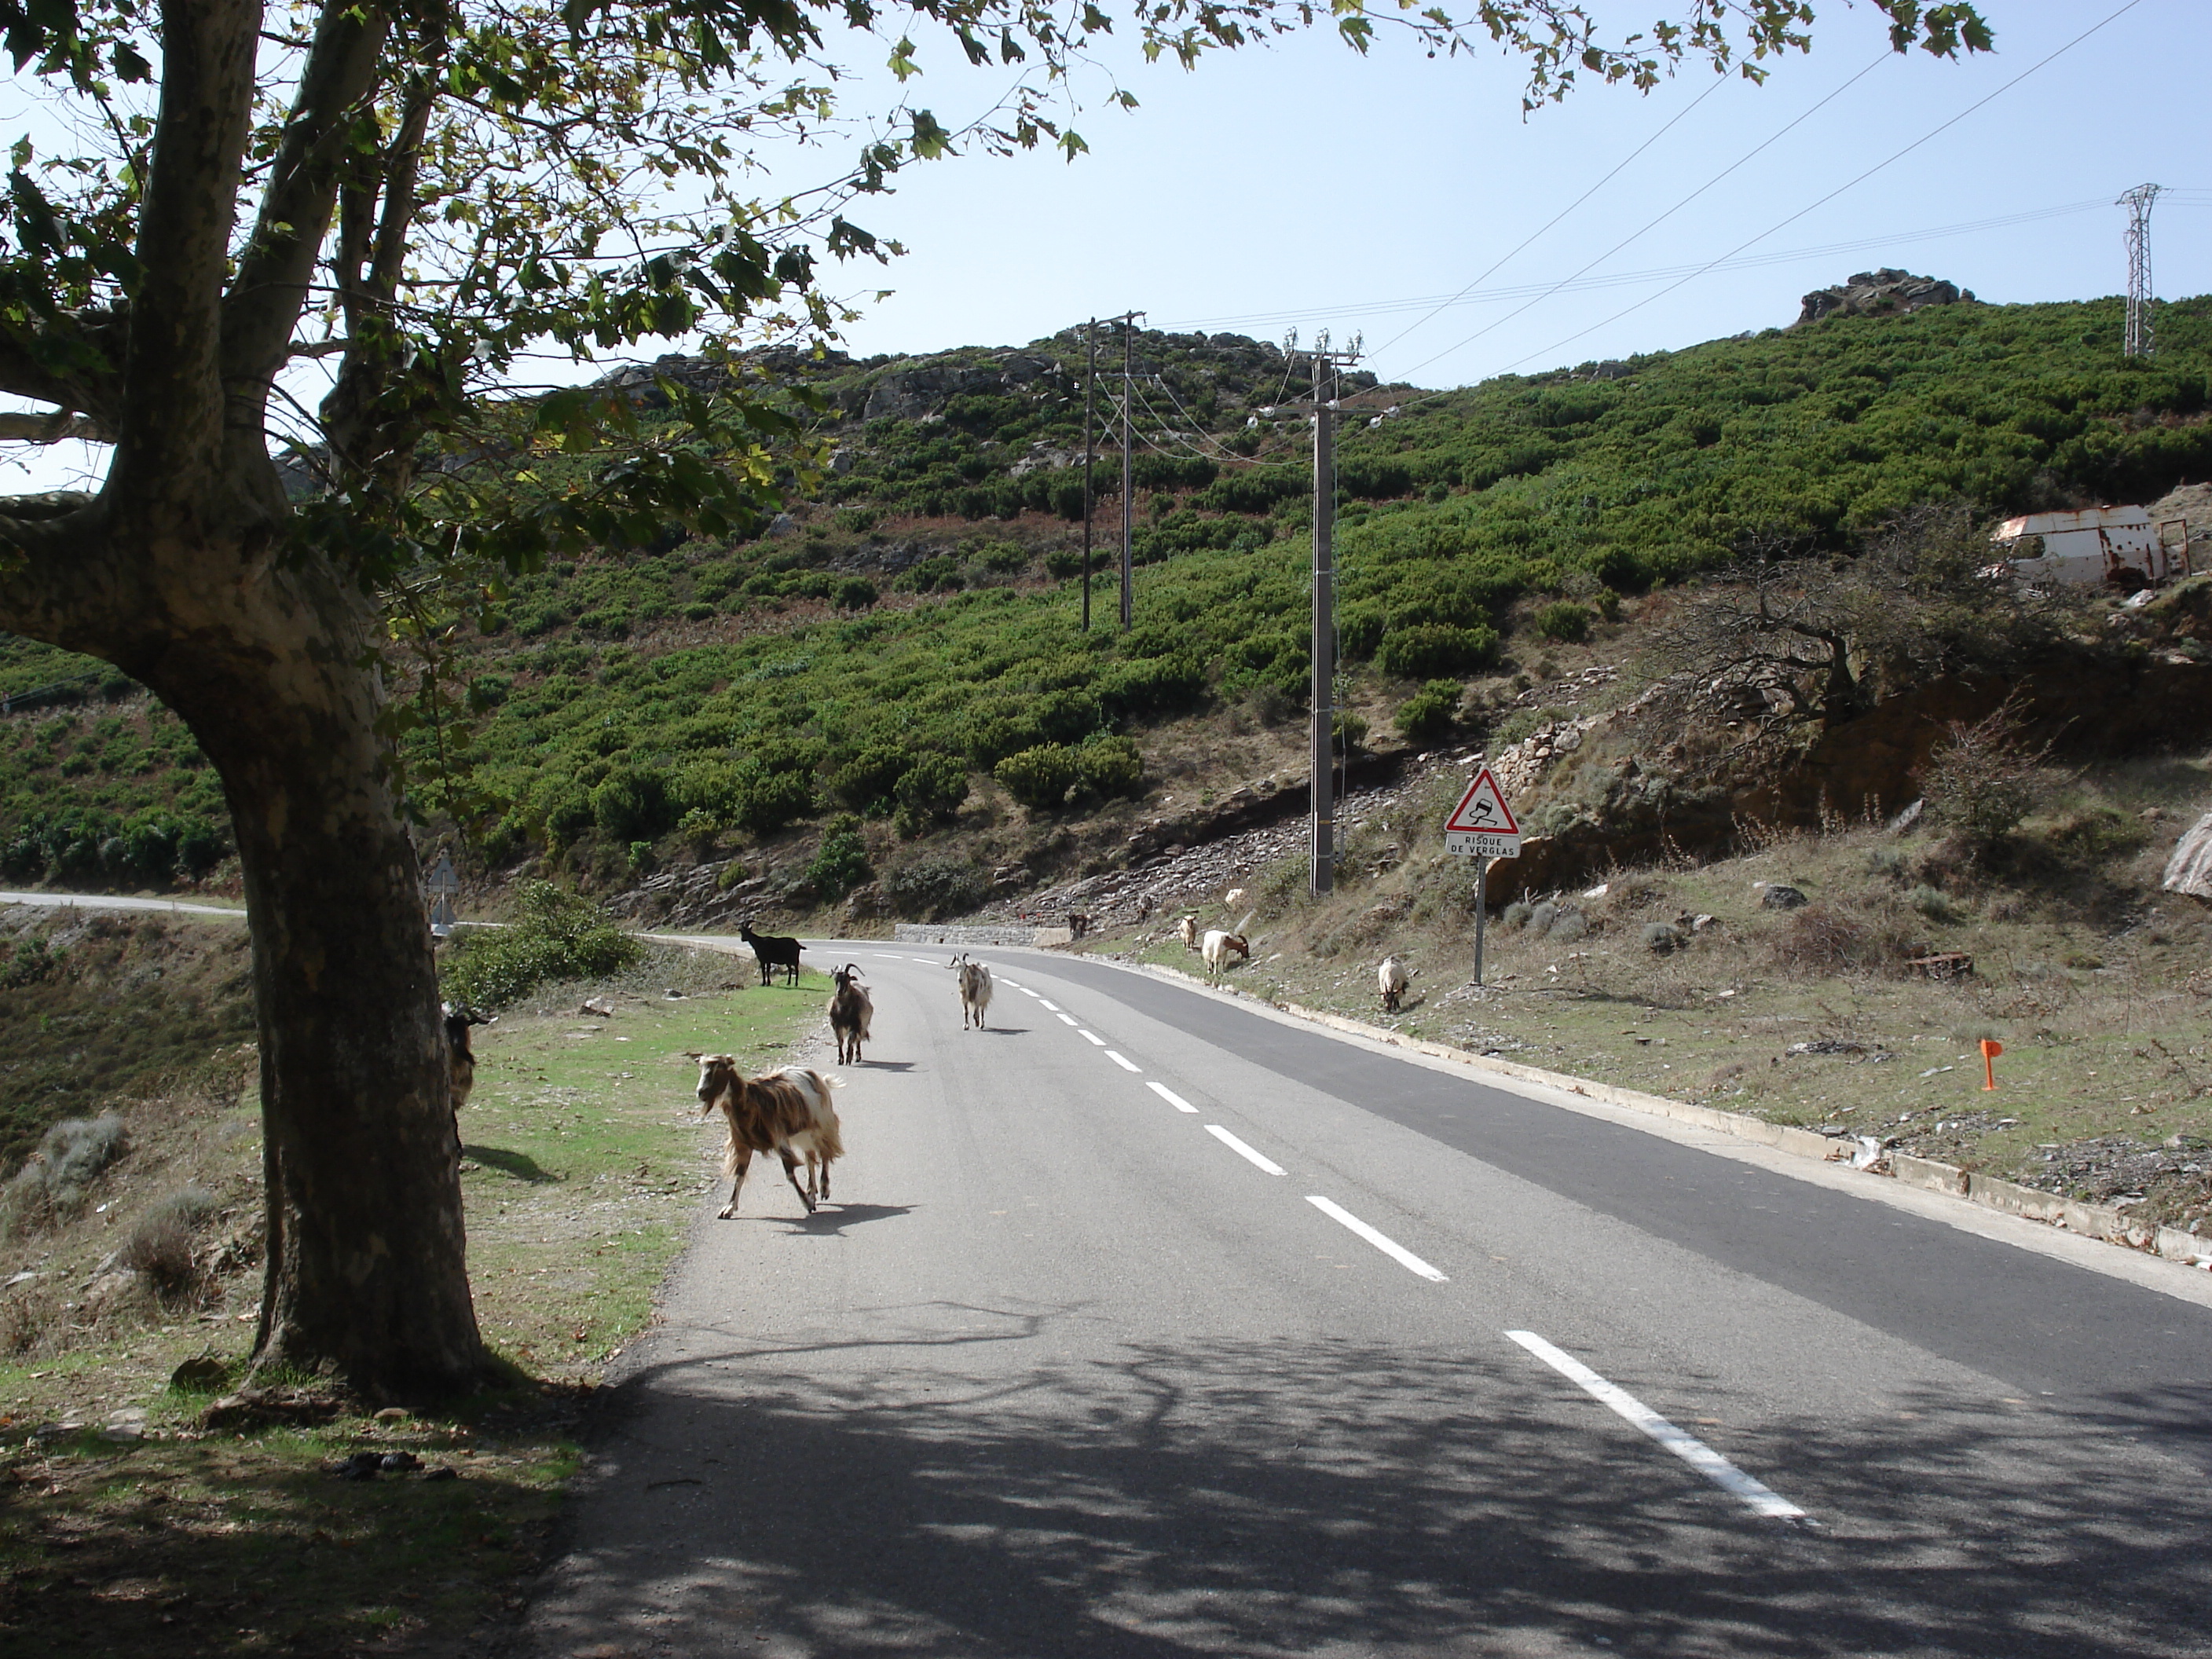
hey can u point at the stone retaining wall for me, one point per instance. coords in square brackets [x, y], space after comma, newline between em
[917, 932]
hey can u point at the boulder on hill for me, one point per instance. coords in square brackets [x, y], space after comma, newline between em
[1885, 293]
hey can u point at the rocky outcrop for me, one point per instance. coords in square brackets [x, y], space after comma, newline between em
[2190, 870]
[1885, 293]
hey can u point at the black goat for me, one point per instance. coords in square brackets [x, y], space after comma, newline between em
[460, 1058]
[772, 953]
[850, 1011]
[458, 1018]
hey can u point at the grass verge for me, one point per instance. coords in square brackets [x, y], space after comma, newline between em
[127, 1526]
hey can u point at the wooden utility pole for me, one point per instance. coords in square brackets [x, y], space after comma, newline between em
[1089, 386]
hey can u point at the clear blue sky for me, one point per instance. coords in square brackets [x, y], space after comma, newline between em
[1297, 184]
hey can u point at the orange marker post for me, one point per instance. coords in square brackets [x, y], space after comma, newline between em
[1990, 1049]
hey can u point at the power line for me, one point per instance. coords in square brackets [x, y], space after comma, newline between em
[1892, 159]
[1442, 306]
[1663, 273]
[1652, 224]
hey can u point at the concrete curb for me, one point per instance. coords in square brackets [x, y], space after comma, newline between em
[2096, 1221]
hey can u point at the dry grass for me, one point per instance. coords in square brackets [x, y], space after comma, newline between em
[2095, 982]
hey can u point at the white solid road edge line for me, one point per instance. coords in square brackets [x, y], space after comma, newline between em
[1242, 1149]
[1092, 1037]
[1383, 1241]
[1171, 1096]
[1687, 1447]
[1125, 1064]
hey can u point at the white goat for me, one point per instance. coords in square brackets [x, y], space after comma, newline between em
[975, 990]
[1186, 931]
[1219, 948]
[1393, 977]
[1232, 898]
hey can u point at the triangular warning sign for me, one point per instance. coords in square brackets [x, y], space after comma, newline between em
[1482, 810]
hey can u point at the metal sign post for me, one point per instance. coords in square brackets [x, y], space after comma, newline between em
[1481, 909]
[1482, 828]
[441, 883]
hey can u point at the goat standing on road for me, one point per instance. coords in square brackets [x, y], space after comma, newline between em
[1219, 948]
[787, 1112]
[772, 952]
[975, 990]
[850, 1010]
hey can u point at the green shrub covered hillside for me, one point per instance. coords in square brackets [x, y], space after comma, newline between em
[913, 630]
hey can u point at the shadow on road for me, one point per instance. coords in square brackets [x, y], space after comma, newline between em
[833, 1218]
[1160, 1502]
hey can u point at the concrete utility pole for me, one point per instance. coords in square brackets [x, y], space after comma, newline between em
[1128, 500]
[2139, 341]
[1089, 386]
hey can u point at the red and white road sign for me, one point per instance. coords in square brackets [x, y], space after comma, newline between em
[1482, 825]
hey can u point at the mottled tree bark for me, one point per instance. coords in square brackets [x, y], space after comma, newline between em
[184, 573]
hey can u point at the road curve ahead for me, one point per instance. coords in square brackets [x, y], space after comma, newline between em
[1145, 1325]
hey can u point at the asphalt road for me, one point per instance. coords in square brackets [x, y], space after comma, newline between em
[1067, 1368]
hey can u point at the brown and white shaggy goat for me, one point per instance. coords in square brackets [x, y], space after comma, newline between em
[788, 1112]
[975, 990]
[1219, 946]
[851, 1009]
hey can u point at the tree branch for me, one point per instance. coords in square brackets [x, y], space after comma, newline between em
[170, 427]
[63, 582]
[52, 429]
[272, 283]
[88, 338]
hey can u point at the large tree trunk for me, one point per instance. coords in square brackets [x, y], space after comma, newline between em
[366, 1272]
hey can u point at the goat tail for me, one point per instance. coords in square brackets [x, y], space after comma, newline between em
[828, 1133]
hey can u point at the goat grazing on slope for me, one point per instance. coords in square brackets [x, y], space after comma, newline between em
[975, 990]
[1393, 977]
[772, 952]
[1186, 931]
[788, 1112]
[850, 1010]
[1219, 948]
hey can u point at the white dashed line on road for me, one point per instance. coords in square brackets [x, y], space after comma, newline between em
[1092, 1037]
[1052, 1005]
[1063, 1018]
[1243, 1151]
[1125, 1064]
[1171, 1096]
[1383, 1241]
[1687, 1447]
